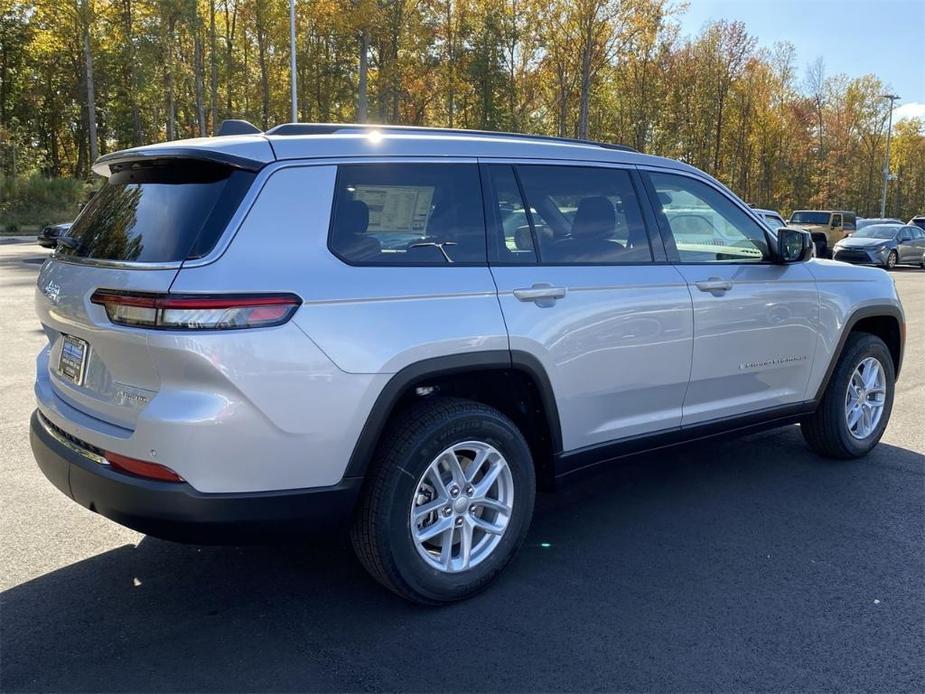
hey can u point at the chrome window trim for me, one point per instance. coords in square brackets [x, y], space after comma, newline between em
[263, 175]
[116, 264]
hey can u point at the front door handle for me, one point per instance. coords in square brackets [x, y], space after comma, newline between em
[542, 294]
[714, 285]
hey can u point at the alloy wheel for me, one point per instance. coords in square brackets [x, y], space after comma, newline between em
[462, 506]
[865, 398]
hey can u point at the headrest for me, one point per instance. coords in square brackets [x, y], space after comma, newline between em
[353, 217]
[595, 218]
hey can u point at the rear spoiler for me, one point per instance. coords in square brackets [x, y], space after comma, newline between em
[103, 165]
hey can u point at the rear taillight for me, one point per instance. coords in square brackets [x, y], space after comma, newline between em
[196, 312]
[141, 468]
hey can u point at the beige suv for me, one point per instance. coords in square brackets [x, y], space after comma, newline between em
[827, 227]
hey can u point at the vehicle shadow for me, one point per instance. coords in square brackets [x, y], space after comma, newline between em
[739, 565]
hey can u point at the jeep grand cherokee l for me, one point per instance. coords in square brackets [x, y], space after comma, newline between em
[410, 330]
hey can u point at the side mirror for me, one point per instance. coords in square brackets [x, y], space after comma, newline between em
[793, 245]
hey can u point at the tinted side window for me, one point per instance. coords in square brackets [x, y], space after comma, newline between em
[836, 220]
[850, 222]
[584, 215]
[705, 225]
[408, 214]
[513, 236]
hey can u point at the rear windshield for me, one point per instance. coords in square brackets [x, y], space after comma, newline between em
[161, 211]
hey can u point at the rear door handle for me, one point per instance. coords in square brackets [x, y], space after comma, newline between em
[542, 294]
[714, 285]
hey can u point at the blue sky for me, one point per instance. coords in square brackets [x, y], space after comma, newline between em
[883, 37]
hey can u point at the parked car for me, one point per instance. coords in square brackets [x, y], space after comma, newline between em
[49, 235]
[879, 220]
[827, 227]
[329, 324]
[772, 217]
[918, 221]
[886, 245]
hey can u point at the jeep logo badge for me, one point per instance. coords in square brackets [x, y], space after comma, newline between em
[52, 291]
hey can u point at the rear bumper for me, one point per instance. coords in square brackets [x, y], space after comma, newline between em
[176, 511]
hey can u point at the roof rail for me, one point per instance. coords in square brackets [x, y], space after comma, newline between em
[287, 129]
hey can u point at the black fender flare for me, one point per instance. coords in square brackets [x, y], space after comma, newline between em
[502, 360]
[876, 311]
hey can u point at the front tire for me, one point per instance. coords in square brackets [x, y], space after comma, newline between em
[447, 503]
[891, 260]
[857, 403]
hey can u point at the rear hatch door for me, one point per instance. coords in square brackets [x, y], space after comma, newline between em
[132, 236]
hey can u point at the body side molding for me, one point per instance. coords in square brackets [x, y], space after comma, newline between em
[573, 462]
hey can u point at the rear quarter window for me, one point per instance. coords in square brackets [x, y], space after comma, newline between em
[161, 211]
[408, 214]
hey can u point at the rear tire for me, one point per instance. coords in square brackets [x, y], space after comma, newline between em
[832, 430]
[401, 484]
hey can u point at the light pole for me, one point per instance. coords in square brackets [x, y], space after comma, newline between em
[295, 105]
[886, 158]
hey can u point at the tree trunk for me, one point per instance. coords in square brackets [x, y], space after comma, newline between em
[231, 21]
[585, 99]
[213, 70]
[198, 67]
[450, 63]
[719, 133]
[262, 60]
[91, 96]
[171, 124]
[131, 85]
[362, 99]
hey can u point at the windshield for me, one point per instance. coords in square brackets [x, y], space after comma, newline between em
[158, 211]
[810, 217]
[877, 231]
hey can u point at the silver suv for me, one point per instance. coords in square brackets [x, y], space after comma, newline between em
[412, 330]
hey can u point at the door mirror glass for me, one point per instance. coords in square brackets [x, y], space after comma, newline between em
[793, 245]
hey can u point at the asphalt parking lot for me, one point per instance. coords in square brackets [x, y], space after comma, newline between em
[732, 565]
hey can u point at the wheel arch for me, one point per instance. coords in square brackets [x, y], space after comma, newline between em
[885, 321]
[514, 382]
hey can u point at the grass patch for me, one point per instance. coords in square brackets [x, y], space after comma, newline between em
[29, 203]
